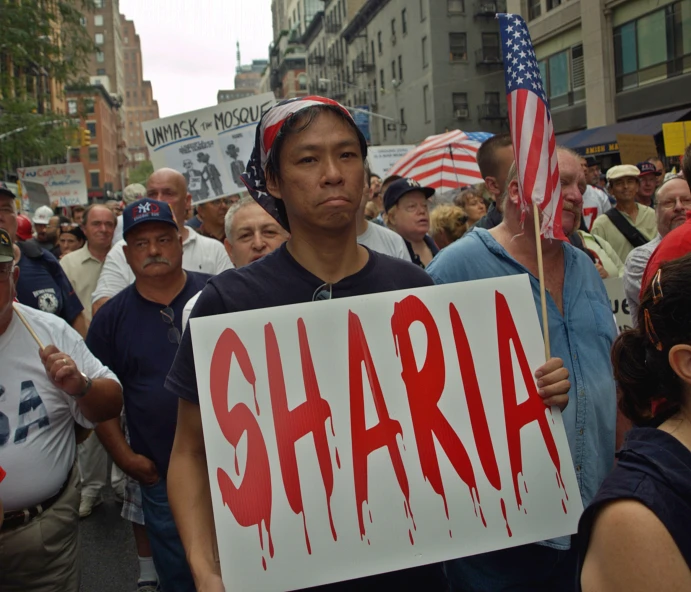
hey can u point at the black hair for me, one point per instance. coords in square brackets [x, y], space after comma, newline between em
[487, 154]
[77, 232]
[64, 220]
[640, 356]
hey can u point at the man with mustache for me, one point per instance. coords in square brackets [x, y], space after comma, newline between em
[136, 334]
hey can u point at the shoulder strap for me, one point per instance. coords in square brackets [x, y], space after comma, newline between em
[630, 233]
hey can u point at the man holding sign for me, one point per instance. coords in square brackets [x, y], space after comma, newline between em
[306, 170]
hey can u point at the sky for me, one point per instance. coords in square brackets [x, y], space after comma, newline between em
[188, 46]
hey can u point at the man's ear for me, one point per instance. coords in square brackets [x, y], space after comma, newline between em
[493, 187]
[514, 192]
[188, 203]
[680, 361]
[273, 186]
[229, 250]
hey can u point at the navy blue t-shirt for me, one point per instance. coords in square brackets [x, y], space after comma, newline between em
[43, 284]
[131, 337]
[277, 280]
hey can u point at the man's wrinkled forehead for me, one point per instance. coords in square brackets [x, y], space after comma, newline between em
[672, 189]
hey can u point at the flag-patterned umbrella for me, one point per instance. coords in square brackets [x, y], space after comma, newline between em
[444, 162]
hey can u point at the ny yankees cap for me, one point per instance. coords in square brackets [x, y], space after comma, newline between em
[399, 188]
[146, 210]
[6, 249]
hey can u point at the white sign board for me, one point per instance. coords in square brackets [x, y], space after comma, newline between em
[61, 184]
[364, 435]
[618, 302]
[210, 147]
[382, 158]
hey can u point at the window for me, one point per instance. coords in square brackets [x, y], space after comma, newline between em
[455, 6]
[404, 21]
[101, 72]
[98, 20]
[393, 28]
[82, 21]
[425, 61]
[381, 79]
[402, 117]
[98, 3]
[302, 82]
[458, 50]
[460, 105]
[72, 107]
[423, 10]
[99, 38]
[379, 43]
[650, 39]
[93, 153]
[91, 126]
[393, 69]
[89, 105]
[563, 77]
[490, 46]
[534, 9]
[425, 101]
[400, 67]
[74, 154]
[94, 179]
[100, 57]
[553, 4]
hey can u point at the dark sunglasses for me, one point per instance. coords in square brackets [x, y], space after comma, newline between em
[168, 315]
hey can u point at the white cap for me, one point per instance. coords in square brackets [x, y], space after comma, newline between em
[133, 192]
[622, 170]
[43, 215]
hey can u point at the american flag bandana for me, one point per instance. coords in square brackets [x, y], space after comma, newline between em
[269, 126]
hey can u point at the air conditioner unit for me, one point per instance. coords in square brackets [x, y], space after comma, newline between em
[393, 39]
[461, 113]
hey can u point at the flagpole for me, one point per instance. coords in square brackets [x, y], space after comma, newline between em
[541, 277]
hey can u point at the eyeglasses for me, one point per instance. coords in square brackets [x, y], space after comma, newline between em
[168, 315]
[323, 292]
[412, 208]
[671, 204]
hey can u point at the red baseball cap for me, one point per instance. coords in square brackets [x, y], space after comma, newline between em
[24, 230]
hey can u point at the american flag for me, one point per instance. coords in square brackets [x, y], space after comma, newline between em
[532, 131]
[444, 162]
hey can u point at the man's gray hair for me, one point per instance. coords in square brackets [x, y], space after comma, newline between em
[244, 201]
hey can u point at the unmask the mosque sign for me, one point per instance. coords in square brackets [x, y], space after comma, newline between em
[364, 435]
[210, 147]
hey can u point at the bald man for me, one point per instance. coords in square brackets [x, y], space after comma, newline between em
[199, 253]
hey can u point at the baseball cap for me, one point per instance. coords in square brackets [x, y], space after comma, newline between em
[6, 248]
[647, 168]
[146, 210]
[591, 161]
[23, 227]
[133, 192]
[5, 190]
[623, 170]
[43, 215]
[401, 187]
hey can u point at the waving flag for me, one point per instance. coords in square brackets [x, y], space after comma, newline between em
[532, 131]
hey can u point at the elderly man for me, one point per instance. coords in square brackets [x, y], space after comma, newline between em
[131, 193]
[199, 253]
[136, 334]
[43, 393]
[628, 224]
[582, 331]
[212, 214]
[494, 159]
[672, 202]
[647, 183]
[47, 227]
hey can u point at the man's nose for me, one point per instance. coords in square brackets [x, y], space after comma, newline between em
[332, 170]
[258, 241]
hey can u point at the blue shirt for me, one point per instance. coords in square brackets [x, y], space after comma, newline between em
[131, 337]
[43, 284]
[582, 337]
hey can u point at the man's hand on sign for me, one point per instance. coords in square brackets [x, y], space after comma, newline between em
[210, 583]
[62, 371]
[553, 383]
[141, 469]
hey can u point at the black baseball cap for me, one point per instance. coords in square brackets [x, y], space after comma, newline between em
[648, 168]
[5, 190]
[146, 210]
[401, 187]
[6, 248]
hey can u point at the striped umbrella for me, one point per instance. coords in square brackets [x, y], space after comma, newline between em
[444, 162]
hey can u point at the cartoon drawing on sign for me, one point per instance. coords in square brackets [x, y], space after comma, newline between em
[210, 173]
[237, 167]
[196, 184]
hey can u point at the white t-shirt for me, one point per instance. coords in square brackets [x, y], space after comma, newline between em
[37, 443]
[187, 309]
[595, 203]
[199, 253]
[117, 233]
[382, 240]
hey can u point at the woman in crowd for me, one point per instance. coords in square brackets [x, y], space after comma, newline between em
[448, 223]
[473, 204]
[636, 534]
[71, 239]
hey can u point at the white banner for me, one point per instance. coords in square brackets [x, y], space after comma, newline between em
[618, 302]
[363, 435]
[210, 147]
[382, 158]
[54, 184]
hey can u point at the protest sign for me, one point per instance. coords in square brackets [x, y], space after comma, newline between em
[382, 158]
[635, 148]
[618, 302]
[64, 184]
[210, 147]
[363, 435]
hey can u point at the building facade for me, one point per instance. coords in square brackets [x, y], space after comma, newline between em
[97, 111]
[140, 105]
[612, 63]
[420, 67]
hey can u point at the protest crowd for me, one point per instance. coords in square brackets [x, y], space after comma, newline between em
[98, 363]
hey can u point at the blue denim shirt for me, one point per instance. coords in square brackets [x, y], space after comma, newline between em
[582, 337]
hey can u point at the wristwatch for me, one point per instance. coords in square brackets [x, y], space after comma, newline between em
[86, 389]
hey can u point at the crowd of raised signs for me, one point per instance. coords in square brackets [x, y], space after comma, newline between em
[96, 362]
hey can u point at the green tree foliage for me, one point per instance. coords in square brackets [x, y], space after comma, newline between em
[141, 173]
[41, 41]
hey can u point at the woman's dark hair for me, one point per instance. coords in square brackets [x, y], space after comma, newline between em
[641, 356]
[299, 122]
